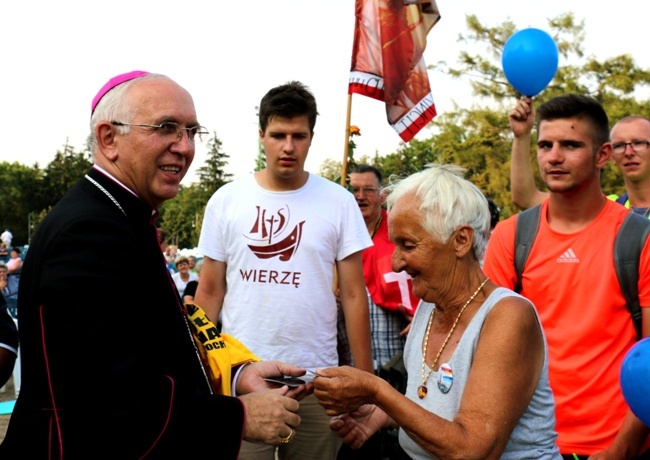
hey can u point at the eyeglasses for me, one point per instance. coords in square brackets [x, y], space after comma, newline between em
[169, 129]
[366, 190]
[636, 146]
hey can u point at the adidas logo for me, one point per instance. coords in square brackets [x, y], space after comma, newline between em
[568, 257]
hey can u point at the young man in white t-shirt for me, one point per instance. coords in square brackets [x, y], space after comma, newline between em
[272, 244]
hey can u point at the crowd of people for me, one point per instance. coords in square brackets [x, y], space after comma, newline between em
[10, 265]
[325, 288]
[8, 330]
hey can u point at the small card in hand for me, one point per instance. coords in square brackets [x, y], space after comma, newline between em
[286, 380]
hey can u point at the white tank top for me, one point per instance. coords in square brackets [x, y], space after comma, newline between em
[533, 437]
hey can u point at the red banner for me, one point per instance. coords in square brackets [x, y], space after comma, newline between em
[387, 62]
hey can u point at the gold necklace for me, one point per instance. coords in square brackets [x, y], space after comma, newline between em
[374, 231]
[422, 389]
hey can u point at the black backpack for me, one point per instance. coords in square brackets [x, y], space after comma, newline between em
[629, 243]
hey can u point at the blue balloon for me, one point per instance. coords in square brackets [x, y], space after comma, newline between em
[530, 59]
[635, 379]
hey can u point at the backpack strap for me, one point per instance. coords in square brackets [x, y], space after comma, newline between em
[629, 243]
[525, 233]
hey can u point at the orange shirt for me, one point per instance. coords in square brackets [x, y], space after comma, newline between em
[571, 279]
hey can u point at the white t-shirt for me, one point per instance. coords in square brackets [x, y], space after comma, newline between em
[180, 284]
[280, 249]
[6, 238]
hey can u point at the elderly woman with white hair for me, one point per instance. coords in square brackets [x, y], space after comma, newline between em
[475, 356]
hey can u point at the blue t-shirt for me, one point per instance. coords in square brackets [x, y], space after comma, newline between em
[624, 200]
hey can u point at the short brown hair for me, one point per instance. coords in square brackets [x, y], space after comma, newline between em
[180, 260]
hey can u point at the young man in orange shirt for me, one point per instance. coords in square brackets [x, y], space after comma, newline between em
[630, 139]
[570, 277]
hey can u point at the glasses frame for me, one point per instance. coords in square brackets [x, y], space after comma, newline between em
[624, 145]
[158, 129]
[369, 191]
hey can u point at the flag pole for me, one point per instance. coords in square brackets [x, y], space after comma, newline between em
[344, 166]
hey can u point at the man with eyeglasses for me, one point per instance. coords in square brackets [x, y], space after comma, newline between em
[631, 154]
[390, 298]
[570, 276]
[110, 369]
[390, 295]
[271, 244]
[630, 139]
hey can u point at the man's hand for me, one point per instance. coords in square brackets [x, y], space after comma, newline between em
[522, 117]
[523, 190]
[251, 378]
[270, 416]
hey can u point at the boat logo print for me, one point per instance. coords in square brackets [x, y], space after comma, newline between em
[272, 234]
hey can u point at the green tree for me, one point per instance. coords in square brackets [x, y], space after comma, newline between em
[20, 185]
[408, 159]
[330, 169]
[67, 167]
[29, 192]
[260, 160]
[182, 216]
[479, 139]
[212, 175]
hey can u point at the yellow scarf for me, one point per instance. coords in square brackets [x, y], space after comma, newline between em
[219, 352]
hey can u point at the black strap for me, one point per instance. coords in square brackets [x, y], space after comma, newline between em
[629, 243]
[525, 233]
[628, 246]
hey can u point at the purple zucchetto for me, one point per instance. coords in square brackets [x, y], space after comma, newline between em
[112, 83]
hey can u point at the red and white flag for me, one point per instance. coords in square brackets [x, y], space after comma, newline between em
[387, 63]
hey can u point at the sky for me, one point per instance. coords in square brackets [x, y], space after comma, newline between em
[56, 56]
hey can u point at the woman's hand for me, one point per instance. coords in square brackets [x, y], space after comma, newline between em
[344, 389]
[357, 427]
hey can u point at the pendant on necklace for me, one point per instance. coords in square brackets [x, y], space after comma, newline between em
[445, 377]
[422, 391]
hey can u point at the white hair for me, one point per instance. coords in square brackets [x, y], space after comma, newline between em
[447, 201]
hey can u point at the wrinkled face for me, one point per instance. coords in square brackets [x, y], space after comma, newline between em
[566, 154]
[634, 166]
[286, 143]
[150, 164]
[425, 258]
[366, 190]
